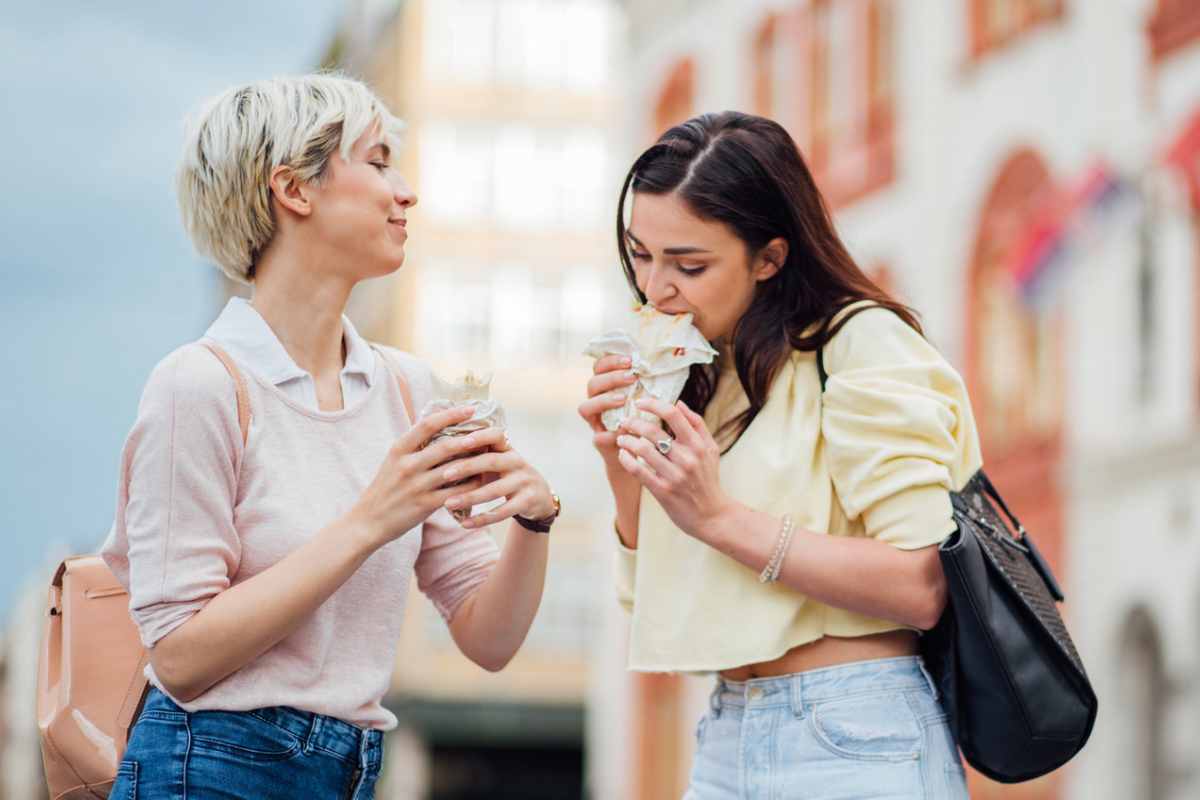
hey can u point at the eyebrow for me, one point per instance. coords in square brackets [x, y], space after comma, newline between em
[387, 151]
[670, 251]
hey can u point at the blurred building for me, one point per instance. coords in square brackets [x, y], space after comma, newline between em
[508, 271]
[1027, 174]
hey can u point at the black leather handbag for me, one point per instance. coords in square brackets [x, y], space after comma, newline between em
[1013, 686]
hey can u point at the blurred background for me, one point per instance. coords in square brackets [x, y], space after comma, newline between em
[1026, 173]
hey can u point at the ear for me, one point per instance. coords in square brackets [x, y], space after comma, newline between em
[770, 259]
[290, 192]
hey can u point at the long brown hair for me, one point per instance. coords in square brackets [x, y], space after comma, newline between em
[747, 172]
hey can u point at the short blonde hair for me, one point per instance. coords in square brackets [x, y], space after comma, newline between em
[240, 136]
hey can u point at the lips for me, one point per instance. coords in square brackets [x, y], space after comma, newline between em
[403, 223]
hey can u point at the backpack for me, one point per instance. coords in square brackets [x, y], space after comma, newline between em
[91, 681]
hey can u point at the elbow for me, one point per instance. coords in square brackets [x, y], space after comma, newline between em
[494, 662]
[932, 605]
[171, 669]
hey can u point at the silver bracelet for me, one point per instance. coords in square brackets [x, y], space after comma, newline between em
[770, 573]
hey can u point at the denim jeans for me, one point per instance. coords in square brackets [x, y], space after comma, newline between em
[263, 754]
[871, 729]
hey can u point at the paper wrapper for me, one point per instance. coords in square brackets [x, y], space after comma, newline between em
[471, 391]
[662, 348]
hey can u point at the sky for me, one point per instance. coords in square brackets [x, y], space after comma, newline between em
[99, 279]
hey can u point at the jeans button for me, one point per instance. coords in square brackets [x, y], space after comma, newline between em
[756, 693]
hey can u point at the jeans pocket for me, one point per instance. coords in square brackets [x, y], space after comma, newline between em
[877, 727]
[243, 735]
[125, 785]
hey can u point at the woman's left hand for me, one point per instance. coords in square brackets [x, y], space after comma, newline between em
[506, 474]
[686, 479]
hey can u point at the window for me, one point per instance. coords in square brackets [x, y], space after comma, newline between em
[456, 163]
[508, 311]
[825, 72]
[997, 23]
[519, 175]
[461, 37]
[1174, 25]
[544, 44]
[676, 99]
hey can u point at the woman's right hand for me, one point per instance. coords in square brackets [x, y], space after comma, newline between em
[611, 381]
[607, 389]
[410, 485]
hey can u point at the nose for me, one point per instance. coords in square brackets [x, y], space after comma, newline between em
[405, 197]
[657, 285]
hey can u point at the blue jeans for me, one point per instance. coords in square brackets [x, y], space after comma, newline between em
[871, 729]
[263, 754]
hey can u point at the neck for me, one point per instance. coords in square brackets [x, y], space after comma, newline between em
[302, 300]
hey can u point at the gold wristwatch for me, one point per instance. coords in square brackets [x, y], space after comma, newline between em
[541, 525]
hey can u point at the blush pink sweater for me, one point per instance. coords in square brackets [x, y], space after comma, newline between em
[198, 512]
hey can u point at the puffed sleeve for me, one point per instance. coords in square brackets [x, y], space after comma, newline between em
[626, 571]
[454, 562]
[898, 429]
[173, 543]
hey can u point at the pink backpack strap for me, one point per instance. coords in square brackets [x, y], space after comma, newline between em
[401, 382]
[243, 397]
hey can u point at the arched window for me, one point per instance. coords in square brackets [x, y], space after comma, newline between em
[1143, 698]
[676, 101]
[1174, 25]
[824, 70]
[1014, 362]
[997, 23]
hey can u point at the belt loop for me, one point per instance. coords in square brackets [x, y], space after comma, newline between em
[714, 699]
[928, 678]
[797, 695]
[314, 728]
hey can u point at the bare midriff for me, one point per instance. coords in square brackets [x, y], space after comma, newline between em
[829, 651]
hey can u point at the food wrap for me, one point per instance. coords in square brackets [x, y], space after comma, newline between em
[662, 349]
[472, 390]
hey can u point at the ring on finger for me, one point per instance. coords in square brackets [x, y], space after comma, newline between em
[663, 446]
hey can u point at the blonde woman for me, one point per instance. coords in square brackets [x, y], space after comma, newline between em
[268, 577]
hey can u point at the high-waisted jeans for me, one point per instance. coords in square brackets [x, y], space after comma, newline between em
[264, 754]
[870, 729]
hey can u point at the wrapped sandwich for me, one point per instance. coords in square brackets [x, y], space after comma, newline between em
[473, 391]
[662, 349]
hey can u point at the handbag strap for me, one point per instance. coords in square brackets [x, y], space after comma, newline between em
[993, 493]
[821, 372]
[401, 382]
[243, 397]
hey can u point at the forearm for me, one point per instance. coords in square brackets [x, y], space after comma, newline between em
[492, 623]
[862, 575]
[243, 622]
[627, 494]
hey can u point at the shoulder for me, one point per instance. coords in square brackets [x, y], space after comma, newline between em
[191, 377]
[876, 337]
[415, 372]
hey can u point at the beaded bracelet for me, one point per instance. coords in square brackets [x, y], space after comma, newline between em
[770, 573]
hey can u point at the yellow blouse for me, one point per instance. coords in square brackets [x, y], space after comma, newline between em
[876, 456]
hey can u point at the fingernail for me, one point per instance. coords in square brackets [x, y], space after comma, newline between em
[623, 441]
[630, 375]
[453, 502]
[450, 474]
